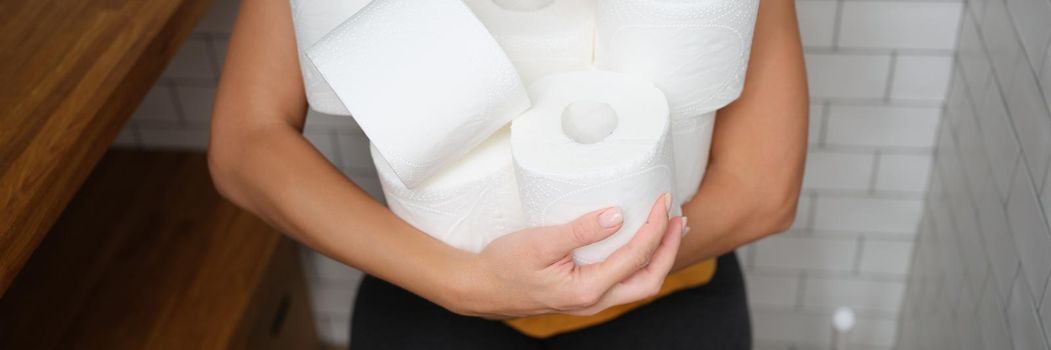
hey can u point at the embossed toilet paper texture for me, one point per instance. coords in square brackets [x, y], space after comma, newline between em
[468, 204]
[313, 19]
[424, 79]
[696, 52]
[557, 37]
[560, 179]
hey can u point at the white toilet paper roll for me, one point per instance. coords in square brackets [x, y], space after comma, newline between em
[313, 19]
[424, 79]
[592, 140]
[692, 138]
[466, 205]
[542, 37]
[696, 52]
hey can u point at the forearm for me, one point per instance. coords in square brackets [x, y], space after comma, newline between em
[758, 149]
[275, 173]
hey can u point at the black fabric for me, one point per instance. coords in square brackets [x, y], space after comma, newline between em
[712, 316]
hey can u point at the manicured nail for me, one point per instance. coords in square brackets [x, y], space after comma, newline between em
[685, 227]
[667, 201]
[610, 218]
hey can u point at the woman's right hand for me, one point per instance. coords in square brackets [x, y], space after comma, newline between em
[531, 272]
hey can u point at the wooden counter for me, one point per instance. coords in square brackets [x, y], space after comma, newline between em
[149, 256]
[71, 73]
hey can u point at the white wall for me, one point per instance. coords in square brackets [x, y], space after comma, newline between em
[879, 71]
[984, 254]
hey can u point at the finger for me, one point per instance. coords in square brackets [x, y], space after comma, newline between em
[556, 242]
[637, 253]
[648, 281]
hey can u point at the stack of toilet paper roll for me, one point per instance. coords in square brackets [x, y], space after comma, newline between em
[424, 79]
[541, 37]
[466, 205]
[620, 106]
[592, 140]
[312, 19]
[696, 52]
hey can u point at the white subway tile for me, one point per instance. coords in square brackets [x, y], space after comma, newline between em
[829, 293]
[816, 120]
[769, 289]
[1031, 22]
[187, 138]
[903, 172]
[816, 22]
[324, 142]
[859, 214]
[1045, 312]
[1000, 40]
[972, 58]
[921, 77]
[336, 331]
[1031, 119]
[847, 75]
[219, 46]
[157, 106]
[1002, 146]
[219, 18]
[803, 213]
[875, 333]
[1032, 238]
[897, 24]
[999, 243]
[882, 126]
[191, 62]
[790, 327]
[370, 184]
[838, 170]
[1045, 78]
[332, 270]
[333, 298]
[126, 137]
[784, 252]
[993, 324]
[1026, 332]
[355, 150]
[196, 102]
[321, 121]
[885, 257]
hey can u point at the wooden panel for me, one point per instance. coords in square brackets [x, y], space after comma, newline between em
[149, 256]
[72, 73]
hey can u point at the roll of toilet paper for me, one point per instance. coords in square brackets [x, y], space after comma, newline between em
[424, 79]
[696, 52]
[591, 140]
[466, 205]
[313, 19]
[692, 138]
[542, 37]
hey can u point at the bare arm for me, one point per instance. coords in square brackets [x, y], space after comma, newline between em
[759, 146]
[260, 161]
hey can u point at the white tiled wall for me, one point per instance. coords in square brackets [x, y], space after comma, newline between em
[879, 72]
[879, 75]
[983, 257]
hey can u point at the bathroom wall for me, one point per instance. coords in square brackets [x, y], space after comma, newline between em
[879, 71]
[983, 257]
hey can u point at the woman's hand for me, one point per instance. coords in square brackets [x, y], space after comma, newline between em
[531, 272]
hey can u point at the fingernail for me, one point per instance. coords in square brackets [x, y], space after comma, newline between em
[667, 201]
[610, 218]
[685, 227]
